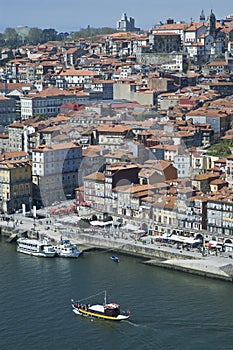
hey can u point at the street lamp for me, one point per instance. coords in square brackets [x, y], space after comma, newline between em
[30, 204]
[34, 223]
[14, 198]
[46, 207]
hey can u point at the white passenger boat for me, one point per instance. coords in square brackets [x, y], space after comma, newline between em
[65, 249]
[36, 247]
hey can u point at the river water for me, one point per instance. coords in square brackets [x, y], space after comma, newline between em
[170, 310]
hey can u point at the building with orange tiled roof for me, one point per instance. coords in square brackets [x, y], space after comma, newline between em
[46, 102]
[196, 212]
[201, 182]
[93, 159]
[104, 88]
[178, 28]
[127, 89]
[98, 187]
[94, 190]
[129, 199]
[170, 151]
[112, 135]
[48, 133]
[74, 77]
[165, 42]
[13, 155]
[70, 56]
[168, 100]
[4, 142]
[119, 156]
[217, 185]
[200, 162]
[22, 87]
[154, 171]
[16, 137]
[223, 88]
[223, 103]
[218, 119]
[229, 170]
[157, 211]
[161, 84]
[219, 212]
[201, 47]
[218, 67]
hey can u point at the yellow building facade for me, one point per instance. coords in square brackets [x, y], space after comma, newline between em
[15, 184]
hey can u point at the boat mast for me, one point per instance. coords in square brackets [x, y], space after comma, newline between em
[105, 298]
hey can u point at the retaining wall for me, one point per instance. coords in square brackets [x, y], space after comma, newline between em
[138, 249]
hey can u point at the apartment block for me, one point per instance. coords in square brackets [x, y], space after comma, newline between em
[46, 102]
[7, 110]
[100, 188]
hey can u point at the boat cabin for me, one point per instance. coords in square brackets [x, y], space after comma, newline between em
[112, 310]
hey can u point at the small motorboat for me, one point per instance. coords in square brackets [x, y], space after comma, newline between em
[106, 311]
[115, 259]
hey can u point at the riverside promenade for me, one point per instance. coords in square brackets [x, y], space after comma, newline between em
[125, 242]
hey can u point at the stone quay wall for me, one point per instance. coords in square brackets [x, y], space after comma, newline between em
[136, 249]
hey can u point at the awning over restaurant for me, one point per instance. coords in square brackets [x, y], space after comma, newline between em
[179, 239]
[101, 223]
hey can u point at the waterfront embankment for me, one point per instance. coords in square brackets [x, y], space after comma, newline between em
[152, 253]
[218, 267]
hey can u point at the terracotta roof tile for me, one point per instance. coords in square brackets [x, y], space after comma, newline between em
[95, 176]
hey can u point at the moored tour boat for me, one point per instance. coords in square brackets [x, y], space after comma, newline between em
[65, 249]
[36, 247]
[106, 311]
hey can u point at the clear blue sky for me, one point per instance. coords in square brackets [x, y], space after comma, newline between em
[71, 15]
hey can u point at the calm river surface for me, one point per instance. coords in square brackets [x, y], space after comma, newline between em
[170, 310]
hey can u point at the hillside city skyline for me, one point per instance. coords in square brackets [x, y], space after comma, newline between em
[75, 17]
[152, 110]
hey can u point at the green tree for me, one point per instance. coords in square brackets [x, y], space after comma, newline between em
[63, 36]
[34, 36]
[92, 32]
[12, 38]
[220, 149]
[48, 35]
[2, 40]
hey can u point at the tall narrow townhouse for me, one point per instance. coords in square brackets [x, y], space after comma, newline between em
[15, 184]
[55, 172]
